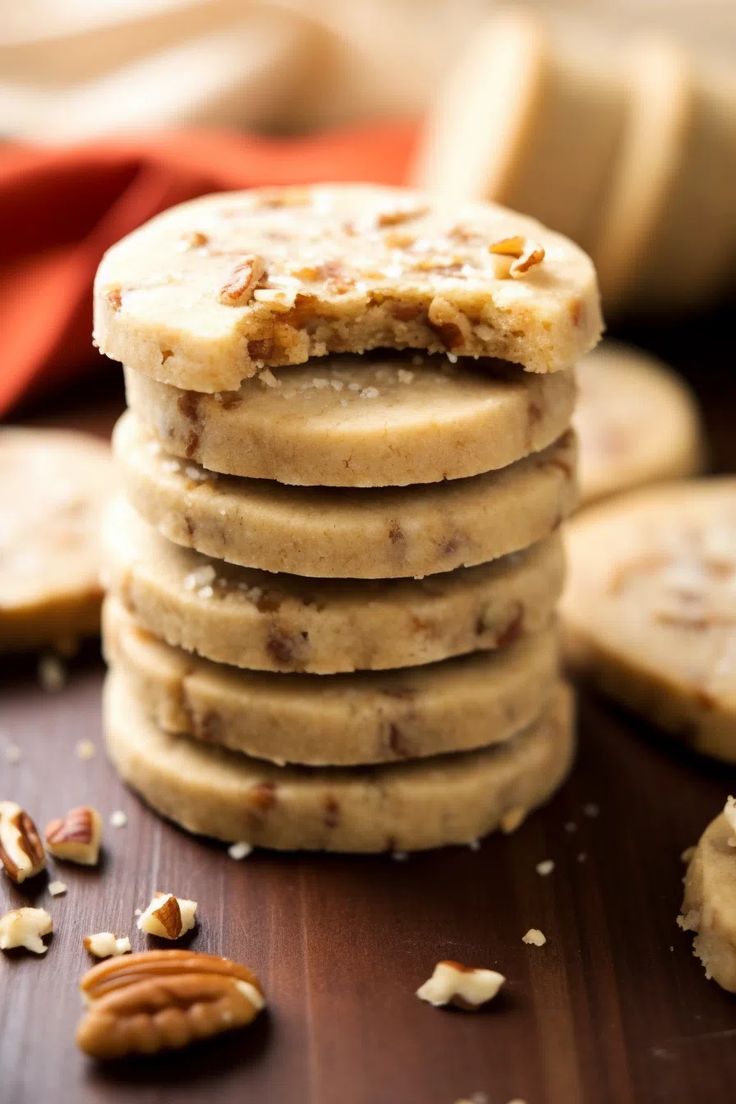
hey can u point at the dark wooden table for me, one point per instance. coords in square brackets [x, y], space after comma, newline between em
[614, 1009]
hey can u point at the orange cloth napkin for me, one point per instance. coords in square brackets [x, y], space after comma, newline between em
[60, 209]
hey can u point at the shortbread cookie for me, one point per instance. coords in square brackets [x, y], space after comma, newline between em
[210, 292]
[337, 720]
[378, 533]
[636, 421]
[52, 487]
[252, 619]
[650, 606]
[401, 807]
[375, 421]
[646, 166]
[709, 906]
[527, 118]
[671, 193]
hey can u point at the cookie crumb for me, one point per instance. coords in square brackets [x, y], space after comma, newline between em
[268, 379]
[687, 854]
[582, 856]
[51, 674]
[239, 850]
[118, 819]
[106, 944]
[534, 937]
[199, 578]
[400, 856]
[545, 867]
[85, 749]
[57, 888]
[474, 845]
[591, 810]
[571, 827]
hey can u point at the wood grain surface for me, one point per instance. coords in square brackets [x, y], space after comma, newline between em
[614, 1009]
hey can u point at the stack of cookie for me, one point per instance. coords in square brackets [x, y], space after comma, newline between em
[333, 577]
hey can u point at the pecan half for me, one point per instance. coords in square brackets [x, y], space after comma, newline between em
[21, 850]
[242, 282]
[76, 837]
[159, 1000]
[525, 251]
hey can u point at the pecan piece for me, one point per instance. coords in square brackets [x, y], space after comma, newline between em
[466, 987]
[168, 916]
[24, 927]
[242, 281]
[76, 837]
[21, 850]
[160, 1000]
[525, 251]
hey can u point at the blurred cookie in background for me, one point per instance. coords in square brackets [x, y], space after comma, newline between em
[667, 235]
[650, 606]
[53, 484]
[637, 422]
[530, 120]
[625, 144]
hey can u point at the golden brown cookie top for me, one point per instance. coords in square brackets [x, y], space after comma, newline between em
[211, 292]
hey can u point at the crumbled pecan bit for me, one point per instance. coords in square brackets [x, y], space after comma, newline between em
[242, 281]
[21, 851]
[399, 216]
[106, 944]
[76, 837]
[534, 938]
[161, 1000]
[196, 239]
[24, 927]
[114, 297]
[168, 916]
[399, 239]
[525, 251]
[465, 987]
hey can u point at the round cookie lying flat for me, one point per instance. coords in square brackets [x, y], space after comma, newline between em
[208, 293]
[376, 533]
[650, 606]
[336, 720]
[251, 619]
[52, 487]
[709, 905]
[361, 421]
[636, 421]
[402, 807]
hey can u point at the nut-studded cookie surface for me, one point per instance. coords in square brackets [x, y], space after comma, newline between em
[207, 294]
[650, 606]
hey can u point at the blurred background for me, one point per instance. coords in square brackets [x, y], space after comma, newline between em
[611, 120]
